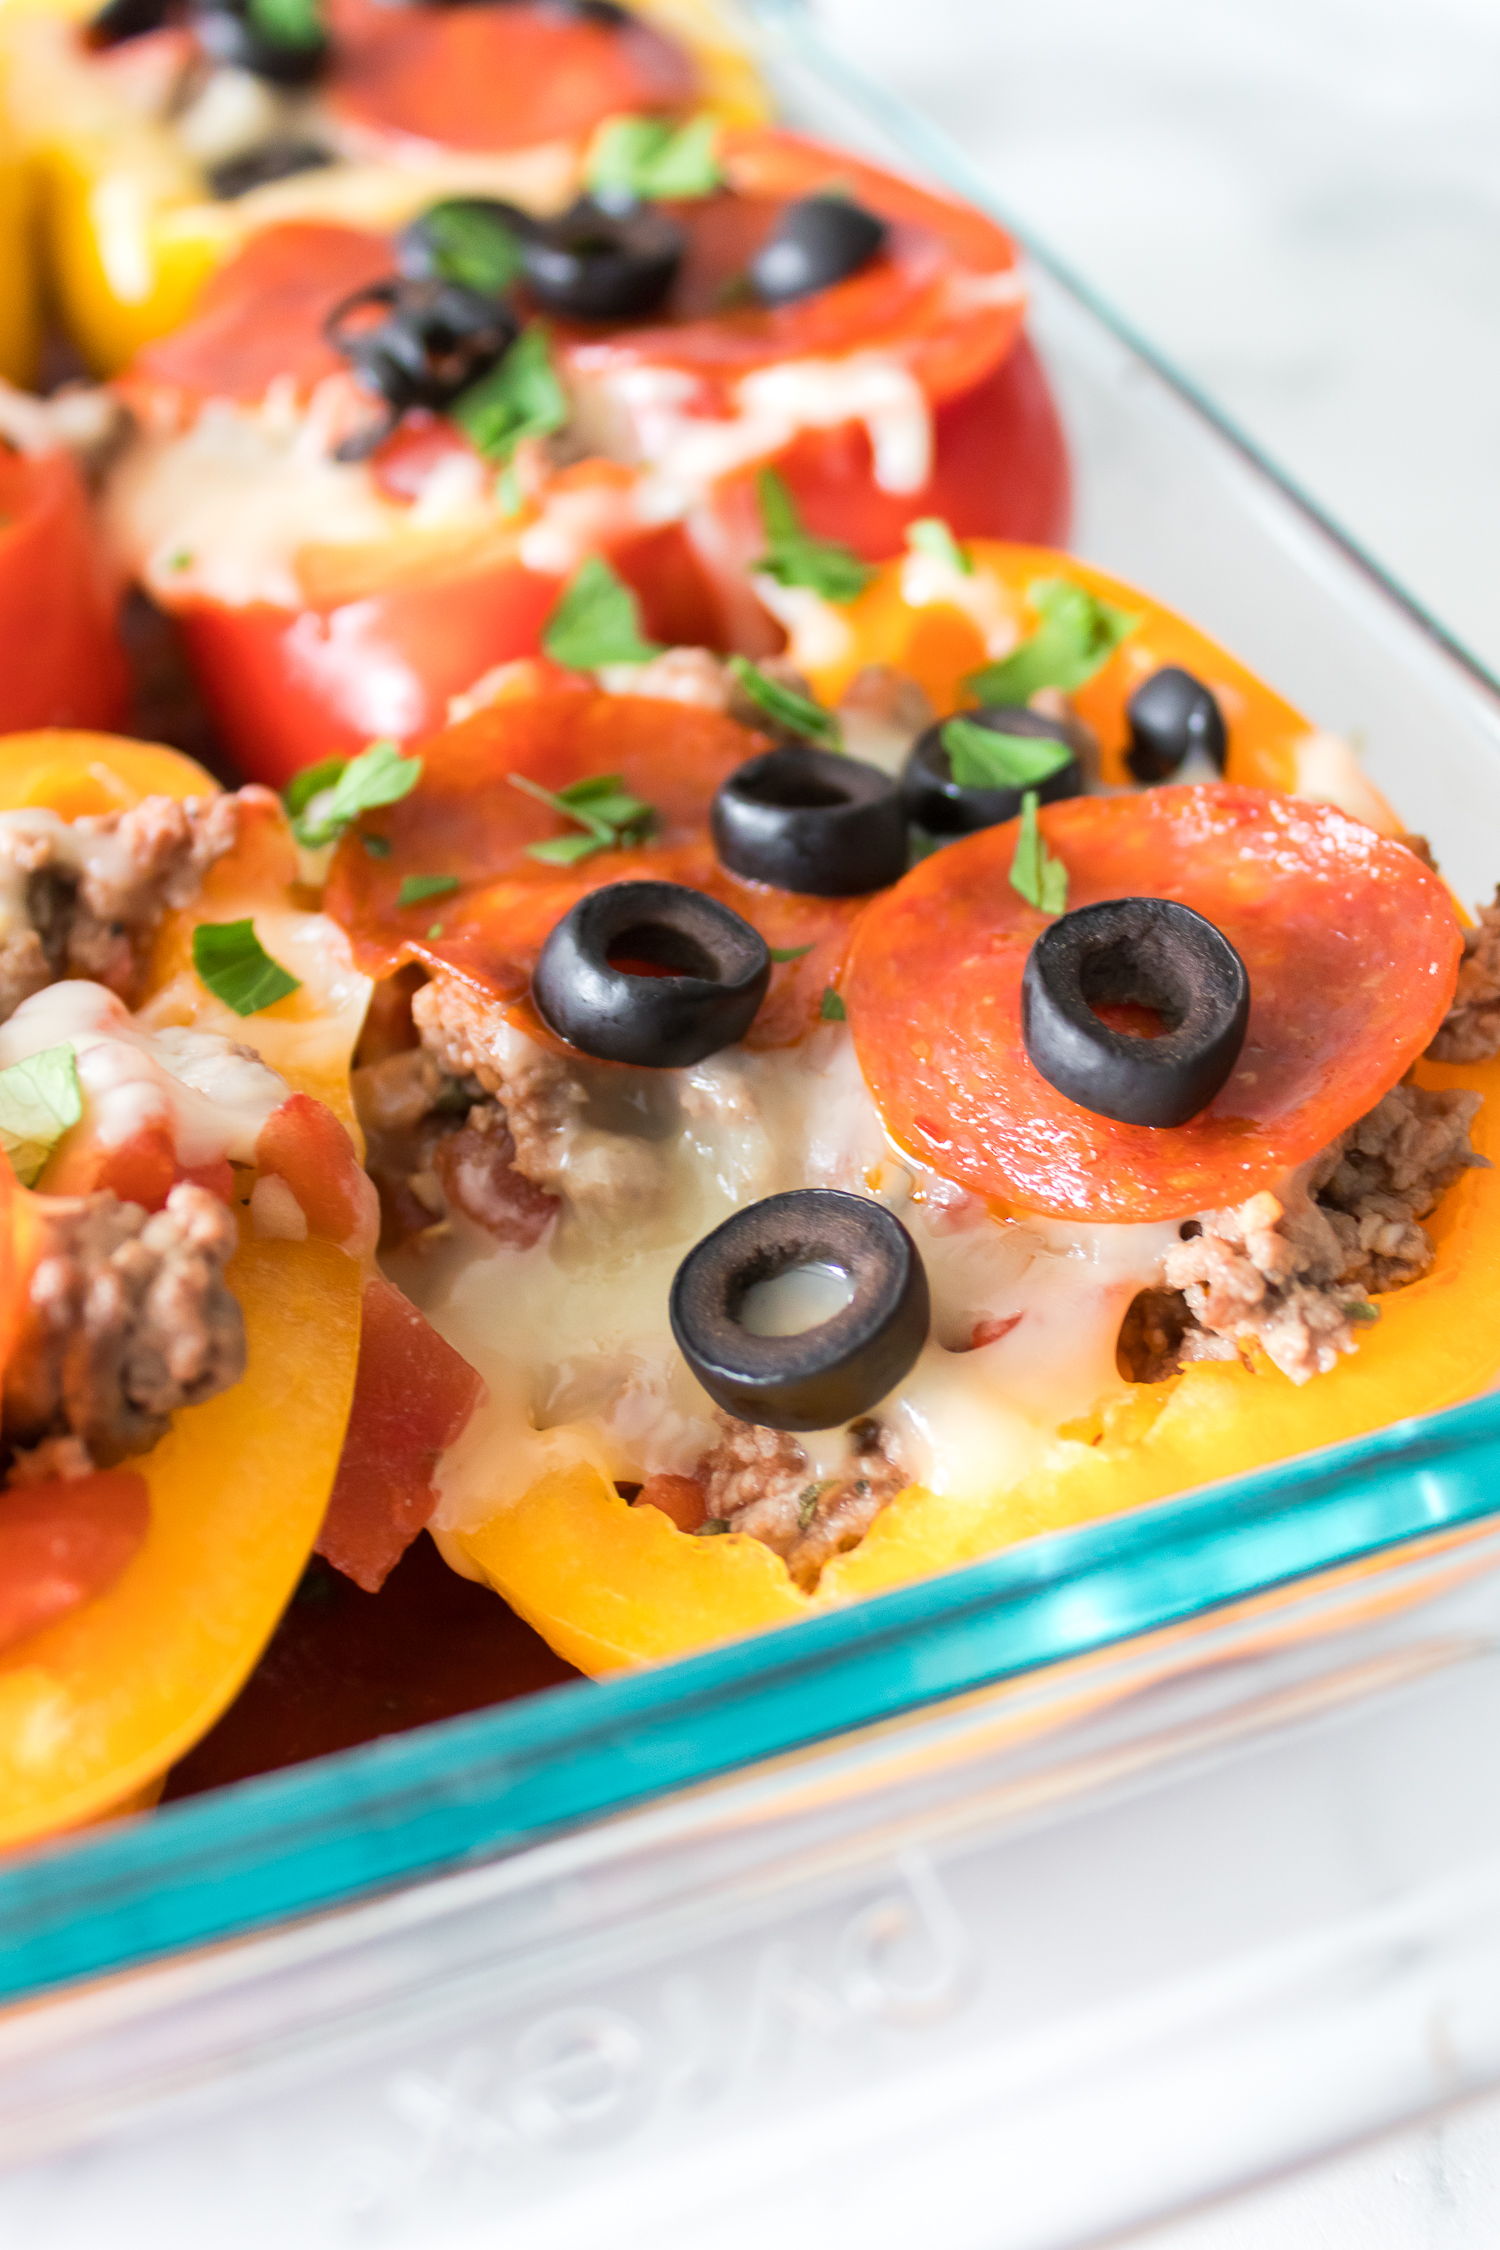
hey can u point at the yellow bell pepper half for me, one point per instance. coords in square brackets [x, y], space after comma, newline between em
[610, 1585]
[95, 1708]
[131, 230]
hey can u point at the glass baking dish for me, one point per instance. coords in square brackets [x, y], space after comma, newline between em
[855, 1707]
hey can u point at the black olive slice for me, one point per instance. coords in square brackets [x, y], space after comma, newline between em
[651, 973]
[945, 807]
[595, 263]
[831, 1373]
[231, 35]
[811, 820]
[273, 160]
[1148, 953]
[416, 343]
[1170, 715]
[119, 20]
[817, 241]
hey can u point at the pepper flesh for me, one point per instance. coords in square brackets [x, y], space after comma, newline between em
[94, 1708]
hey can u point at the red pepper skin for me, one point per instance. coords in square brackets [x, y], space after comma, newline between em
[63, 664]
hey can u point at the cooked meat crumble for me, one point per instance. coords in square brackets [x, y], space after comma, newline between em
[127, 1318]
[760, 1481]
[85, 895]
[1294, 1275]
[1470, 1032]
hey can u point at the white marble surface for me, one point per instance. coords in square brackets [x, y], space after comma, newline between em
[1298, 202]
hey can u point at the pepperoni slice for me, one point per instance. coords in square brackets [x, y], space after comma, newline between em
[467, 818]
[496, 78]
[1352, 948]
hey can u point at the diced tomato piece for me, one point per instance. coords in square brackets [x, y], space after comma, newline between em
[412, 1397]
[63, 1543]
[1351, 946]
[681, 1498]
[304, 1144]
[63, 663]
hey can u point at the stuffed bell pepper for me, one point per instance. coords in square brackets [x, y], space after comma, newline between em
[850, 1131]
[185, 1240]
[162, 137]
[367, 470]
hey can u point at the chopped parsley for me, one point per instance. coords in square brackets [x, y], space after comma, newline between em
[414, 888]
[1077, 636]
[40, 1097]
[287, 23]
[378, 847]
[181, 558]
[786, 706]
[325, 799]
[1365, 1315]
[237, 969]
[520, 397]
[1041, 880]
[597, 621]
[712, 1527]
[647, 159]
[983, 758]
[788, 952]
[434, 929]
[793, 557]
[807, 1504]
[609, 816]
[472, 246]
[831, 1009]
[929, 535]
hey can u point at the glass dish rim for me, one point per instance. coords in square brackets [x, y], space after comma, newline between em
[312, 1837]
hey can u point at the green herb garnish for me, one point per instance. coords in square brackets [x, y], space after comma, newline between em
[287, 23]
[180, 559]
[471, 246]
[649, 159]
[983, 758]
[1077, 636]
[610, 817]
[711, 1528]
[929, 535]
[1041, 880]
[378, 847]
[237, 969]
[324, 800]
[788, 952]
[793, 557]
[807, 1504]
[520, 397]
[40, 1097]
[414, 888]
[783, 704]
[434, 929]
[831, 1008]
[597, 621]
[1365, 1315]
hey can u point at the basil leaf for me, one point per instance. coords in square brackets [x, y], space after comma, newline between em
[1041, 880]
[378, 776]
[832, 1009]
[649, 159]
[929, 535]
[1077, 636]
[40, 1097]
[793, 557]
[237, 969]
[472, 247]
[287, 23]
[520, 397]
[601, 805]
[983, 758]
[788, 952]
[414, 888]
[597, 621]
[785, 705]
[311, 782]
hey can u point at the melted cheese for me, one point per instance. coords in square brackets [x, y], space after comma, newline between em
[211, 1095]
[572, 1335]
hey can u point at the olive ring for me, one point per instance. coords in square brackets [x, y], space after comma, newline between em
[828, 1374]
[1149, 952]
[700, 974]
[811, 821]
[942, 806]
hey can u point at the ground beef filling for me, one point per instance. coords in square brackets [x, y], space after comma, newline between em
[95, 889]
[1293, 1274]
[760, 1481]
[1470, 1032]
[127, 1318]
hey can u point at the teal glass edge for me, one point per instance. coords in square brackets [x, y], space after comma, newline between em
[416, 1805]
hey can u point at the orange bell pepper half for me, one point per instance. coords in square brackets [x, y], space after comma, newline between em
[173, 1602]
